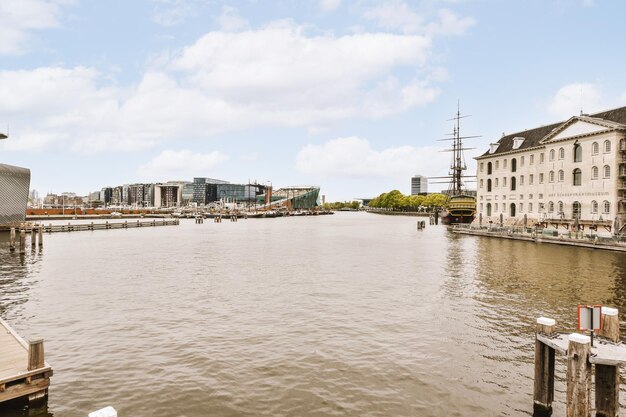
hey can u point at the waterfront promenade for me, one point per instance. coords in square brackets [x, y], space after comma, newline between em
[550, 236]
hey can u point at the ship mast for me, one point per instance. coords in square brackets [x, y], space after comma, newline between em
[457, 166]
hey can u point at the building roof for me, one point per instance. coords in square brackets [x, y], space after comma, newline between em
[533, 137]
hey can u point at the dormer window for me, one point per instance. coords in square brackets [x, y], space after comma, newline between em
[493, 147]
[517, 142]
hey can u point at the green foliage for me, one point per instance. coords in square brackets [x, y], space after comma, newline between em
[340, 205]
[395, 200]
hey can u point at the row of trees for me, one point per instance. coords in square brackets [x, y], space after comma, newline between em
[395, 200]
[339, 205]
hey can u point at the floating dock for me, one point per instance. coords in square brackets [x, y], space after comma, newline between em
[24, 373]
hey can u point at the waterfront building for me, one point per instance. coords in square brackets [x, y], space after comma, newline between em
[106, 195]
[201, 189]
[14, 186]
[572, 171]
[419, 185]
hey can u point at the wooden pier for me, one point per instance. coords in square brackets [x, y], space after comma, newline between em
[607, 354]
[50, 228]
[24, 373]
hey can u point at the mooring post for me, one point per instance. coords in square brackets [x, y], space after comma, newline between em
[35, 354]
[22, 241]
[544, 370]
[33, 237]
[578, 399]
[607, 376]
[12, 240]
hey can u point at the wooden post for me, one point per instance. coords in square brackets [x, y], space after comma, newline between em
[607, 376]
[35, 354]
[544, 370]
[33, 237]
[22, 241]
[40, 230]
[12, 240]
[578, 400]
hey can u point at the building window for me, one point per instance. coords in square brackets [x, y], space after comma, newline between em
[561, 207]
[578, 177]
[607, 171]
[521, 207]
[504, 164]
[606, 207]
[512, 213]
[481, 183]
[578, 153]
[496, 207]
[521, 161]
[550, 207]
[497, 164]
[552, 151]
[521, 180]
[481, 207]
[482, 166]
[513, 165]
[504, 182]
[496, 184]
[551, 176]
[489, 168]
[594, 207]
[561, 175]
[541, 158]
[595, 148]
[594, 173]
[488, 209]
[532, 159]
[531, 177]
[607, 146]
[541, 178]
[561, 153]
[576, 210]
[489, 185]
[512, 183]
[530, 207]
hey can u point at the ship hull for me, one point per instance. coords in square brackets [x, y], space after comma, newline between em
[461, 209]
[449, 218]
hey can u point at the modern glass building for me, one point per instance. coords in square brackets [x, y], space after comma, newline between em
[14, 186]
[419, 185]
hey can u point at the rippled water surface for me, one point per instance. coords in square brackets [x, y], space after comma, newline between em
[346, 315]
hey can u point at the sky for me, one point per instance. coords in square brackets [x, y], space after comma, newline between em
[351, 96]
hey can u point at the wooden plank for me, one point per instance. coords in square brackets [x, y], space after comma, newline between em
[22, 390]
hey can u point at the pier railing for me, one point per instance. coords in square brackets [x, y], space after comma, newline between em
[52, 228]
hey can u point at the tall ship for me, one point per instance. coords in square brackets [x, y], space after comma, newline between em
[461, 205]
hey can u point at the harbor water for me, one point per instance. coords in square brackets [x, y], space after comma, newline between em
[354, 314]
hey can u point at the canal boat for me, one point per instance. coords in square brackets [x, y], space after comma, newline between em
[460, 207]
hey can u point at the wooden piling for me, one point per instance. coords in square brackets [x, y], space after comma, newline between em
[607, 376]
[40, 230]
[35, 354]
[12, 240]
[544, 370]
[578, 398]
[33, 237]
[22, 241]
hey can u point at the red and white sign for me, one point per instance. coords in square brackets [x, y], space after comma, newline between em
[590, 317]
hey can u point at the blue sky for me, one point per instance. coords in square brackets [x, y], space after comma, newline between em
[347, 95]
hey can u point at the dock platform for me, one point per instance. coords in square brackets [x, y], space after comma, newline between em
[76, 227]
[24, 373]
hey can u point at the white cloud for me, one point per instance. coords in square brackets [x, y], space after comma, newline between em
[572, 98]
[399, 15]
[183, 164]
[329, 5]
[354, 157]
[230, 20]
[278, 76]
[21, 17]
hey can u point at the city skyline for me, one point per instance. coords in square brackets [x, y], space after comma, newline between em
[347, 95]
